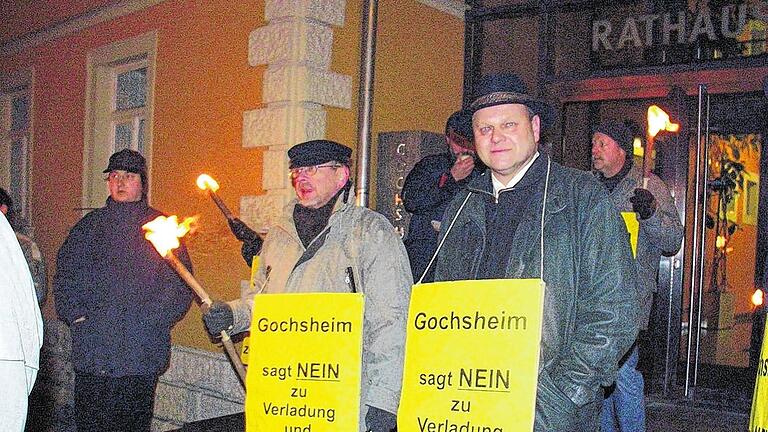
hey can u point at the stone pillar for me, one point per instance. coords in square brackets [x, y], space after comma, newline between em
[296, 47]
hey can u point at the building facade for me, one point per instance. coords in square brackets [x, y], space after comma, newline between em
[216, 87]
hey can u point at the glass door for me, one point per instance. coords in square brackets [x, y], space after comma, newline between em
[725, 254]
[702, 339]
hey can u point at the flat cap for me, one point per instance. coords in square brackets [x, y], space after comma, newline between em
[127, 160]
[316, 152]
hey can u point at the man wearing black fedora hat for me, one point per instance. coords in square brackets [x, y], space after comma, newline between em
[529, 217]
[120, 299]
[325, 243]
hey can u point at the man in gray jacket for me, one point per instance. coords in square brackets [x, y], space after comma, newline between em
[324, 243]
[590, 300]
[660, 232]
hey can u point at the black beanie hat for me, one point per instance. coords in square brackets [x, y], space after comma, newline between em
[620, 133]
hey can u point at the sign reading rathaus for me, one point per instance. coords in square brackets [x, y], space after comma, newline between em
[677, 27]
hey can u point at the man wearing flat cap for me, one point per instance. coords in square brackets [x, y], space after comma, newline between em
[120, 299]
[660, 232]
[319, 242]
[590, 299]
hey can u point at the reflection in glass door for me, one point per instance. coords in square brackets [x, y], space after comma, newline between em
[717, 321]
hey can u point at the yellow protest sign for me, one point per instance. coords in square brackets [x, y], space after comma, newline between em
[633, 227]
[471, 356]
[305, 363]
[758, 419]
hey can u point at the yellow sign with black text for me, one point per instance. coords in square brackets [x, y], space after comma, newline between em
[305, 363]
[758, 419]
[471, 356]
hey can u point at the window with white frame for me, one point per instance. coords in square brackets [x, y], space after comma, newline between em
[129, 106]
[15, 142]
[119, 108]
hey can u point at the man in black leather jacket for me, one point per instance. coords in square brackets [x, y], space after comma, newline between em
[591, 302]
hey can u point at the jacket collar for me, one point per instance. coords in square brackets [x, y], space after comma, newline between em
[633, 179]
[533, 179]
[527, 236]
[126, 209]
[287, 224]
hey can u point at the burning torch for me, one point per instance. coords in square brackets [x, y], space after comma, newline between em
[164, 234]
[241, 231]
[658, 121]
[207, 183]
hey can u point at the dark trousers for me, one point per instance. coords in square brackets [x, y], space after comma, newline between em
[114, 404]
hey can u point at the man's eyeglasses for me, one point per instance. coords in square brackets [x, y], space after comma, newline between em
[117, 176]
[310, 170]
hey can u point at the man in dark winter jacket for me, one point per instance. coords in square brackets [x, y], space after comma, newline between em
[590, 300]
[120, 299]
[430, 186]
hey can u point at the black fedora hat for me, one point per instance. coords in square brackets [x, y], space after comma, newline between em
[502, 89]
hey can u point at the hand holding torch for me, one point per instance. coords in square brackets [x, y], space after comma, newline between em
[658, 121]
[164, 234]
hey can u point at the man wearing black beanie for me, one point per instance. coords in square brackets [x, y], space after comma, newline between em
[660, 231]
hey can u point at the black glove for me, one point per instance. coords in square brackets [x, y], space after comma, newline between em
[251, 249]
[218, 318]
[241, 230]
[378, 420]
[643, 203]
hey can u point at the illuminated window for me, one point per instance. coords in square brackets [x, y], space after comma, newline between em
[120, 79]
[16, 140]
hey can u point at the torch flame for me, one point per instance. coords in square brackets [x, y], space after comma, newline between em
[757, 297]
[164, 232]
[658, 121]
[204, 181]
[720, 242]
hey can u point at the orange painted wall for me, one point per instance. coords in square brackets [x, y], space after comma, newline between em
[203, 84]
[418, 76]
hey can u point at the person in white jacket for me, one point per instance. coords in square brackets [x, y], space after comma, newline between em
[21, 331]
